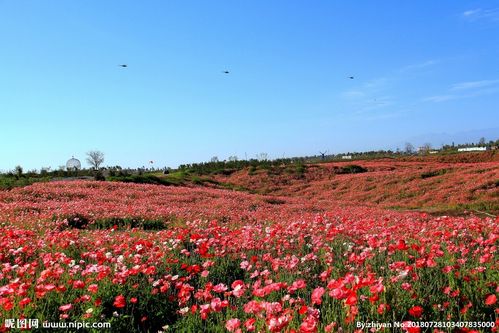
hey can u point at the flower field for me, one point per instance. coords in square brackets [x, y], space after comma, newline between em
[150, 258]
[426, 184]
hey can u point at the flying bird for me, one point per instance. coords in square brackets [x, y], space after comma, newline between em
[225, 72]
[123, 65]
[351, 77]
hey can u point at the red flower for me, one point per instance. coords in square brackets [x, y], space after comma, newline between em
[119, 301]
[416, 311]
[491, 299]
[78, 284]
[25, 301]
[150, 270]
[6, 304]
[309, 325]
[352, 299]
[410, 327]
[250, 324]
[93, 288]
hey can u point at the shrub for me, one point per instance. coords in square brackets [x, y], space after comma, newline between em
[351, 168]
[128, 223]
[98, 175]
[77, 221]
[300, 170]
[251, 170]
[433, 173]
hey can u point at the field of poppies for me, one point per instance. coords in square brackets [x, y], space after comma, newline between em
[149, 258]
[428, 184]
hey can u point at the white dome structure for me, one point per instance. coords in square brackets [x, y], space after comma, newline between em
[73, 164]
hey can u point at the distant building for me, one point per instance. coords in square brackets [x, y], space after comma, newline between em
[346, 157]
[73, 164]
[472, 149]
[434, 152]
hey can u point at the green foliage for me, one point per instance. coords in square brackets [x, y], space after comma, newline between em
[231, 166]
[128, 223]
[77, 221]
[351, 168]
[99, 175]
[433, 173]
[251, 170]
[274, 201]
[300, 169]
[145, 179]
[19, 171]
[10, 181]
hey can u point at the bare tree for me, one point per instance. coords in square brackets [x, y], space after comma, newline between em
[233, 158]
[262, 156]
[425, 148]
[409, 148]
[482, 141]
[95, 158]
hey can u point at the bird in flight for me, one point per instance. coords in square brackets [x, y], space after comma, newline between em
[123, 65]
[351, 77]
[225, 72]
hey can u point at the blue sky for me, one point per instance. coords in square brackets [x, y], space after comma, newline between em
[420, 68]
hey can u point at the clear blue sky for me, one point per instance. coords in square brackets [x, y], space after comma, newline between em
[420, 67]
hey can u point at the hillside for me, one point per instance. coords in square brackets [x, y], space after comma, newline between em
[411, 184]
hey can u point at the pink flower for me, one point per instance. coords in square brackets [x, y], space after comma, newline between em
[317, 295]
[309, 325]
[66, 307]
[298, 284]
[330, 327]
[238, 288]
[252, 307]
[220, 288]
[277, 324]
[232, 324]
[216, 304]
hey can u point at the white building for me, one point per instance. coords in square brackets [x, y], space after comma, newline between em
[472, 149]
[346, 157]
